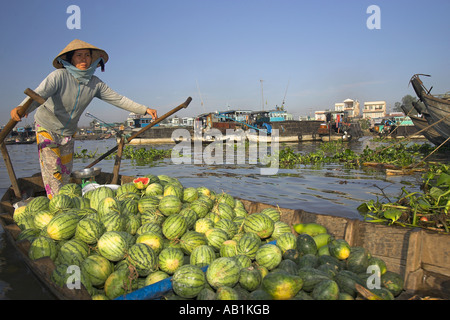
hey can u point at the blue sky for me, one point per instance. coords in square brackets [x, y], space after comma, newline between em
[311, 54]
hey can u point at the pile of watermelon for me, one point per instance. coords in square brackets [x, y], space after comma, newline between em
[206, 242]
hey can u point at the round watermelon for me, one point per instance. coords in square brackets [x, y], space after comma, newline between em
[113, 245]
[202, 256]
[42, 247]
[223, 271]
[63, 226]
[170, 259]
[188, 280]
[170, 204]
[97, 268]
[260, 224]
[89, 230]
[174, 226]
[143, 258]
[269, 256]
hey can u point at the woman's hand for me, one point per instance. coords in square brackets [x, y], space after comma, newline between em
[15, 114]
[153, 113]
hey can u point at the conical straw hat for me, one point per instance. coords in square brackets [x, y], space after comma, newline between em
[77, 45]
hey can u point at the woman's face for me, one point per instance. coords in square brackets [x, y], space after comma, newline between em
[82, 59]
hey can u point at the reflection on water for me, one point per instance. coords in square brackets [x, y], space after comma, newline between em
[328, 189]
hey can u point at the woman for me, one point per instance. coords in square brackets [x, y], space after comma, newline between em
[68, 91]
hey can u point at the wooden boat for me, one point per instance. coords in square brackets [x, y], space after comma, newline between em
[438, 107]
[422, 125]
[422, 257]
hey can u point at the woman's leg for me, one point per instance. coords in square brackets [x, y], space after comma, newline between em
[56, 160]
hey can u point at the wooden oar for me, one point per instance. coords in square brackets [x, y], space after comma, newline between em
[168, 114]
[33, 96]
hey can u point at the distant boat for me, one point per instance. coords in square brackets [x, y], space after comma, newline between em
[437, 107]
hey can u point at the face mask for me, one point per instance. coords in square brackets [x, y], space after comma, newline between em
[82, 76]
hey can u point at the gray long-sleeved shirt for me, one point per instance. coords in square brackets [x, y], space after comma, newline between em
[67, 99]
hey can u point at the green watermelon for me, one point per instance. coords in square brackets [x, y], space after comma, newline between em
[40, 203]
[269, 256]
[154, 189]
[60, 202]
[202, 255]
[141, 182]
[190, 194]
[143, 258]
[89, 230]
[227, 293]
[155, 277]
[119, 283]
[228, 248]
[98, 194]
[224, 211]
[113, 245]
[215, 237]
[306, 244]
[272, 213]
[190, 216]
[71, 189]
[287, 241]
[42, 218]
[113, 221]
[250, 278]
[42, 247]
[200, 207]
[174, 226]
[228, 226]
[152, 239]
[97, 269]
[326, 290]
[170, 259]
[73, 252]
[260, 224]
[170, 204]
[63, 226]
[148, 203]
[188, 280]
[174, 190]
[150, 226]
[190, 240]
[223, 271]
[204, 224]
[281, 285]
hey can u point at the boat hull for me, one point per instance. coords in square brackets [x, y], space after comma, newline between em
[422, 257]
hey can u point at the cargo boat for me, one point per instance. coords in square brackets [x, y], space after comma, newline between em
[422, 257]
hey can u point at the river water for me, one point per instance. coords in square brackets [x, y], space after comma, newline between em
[328, 189]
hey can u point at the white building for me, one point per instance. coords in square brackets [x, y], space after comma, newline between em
[374, 109]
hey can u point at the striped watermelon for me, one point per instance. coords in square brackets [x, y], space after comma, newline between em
[190, 240]
[119, 283]
[28, 234]
[200, 207]
[73, 252]
[170, 259]
[242, 260]
[272, 213]
[154, 189]
[170, 204]
[190, 194]
[202, 256]
[215, 237]
[228, 248]
[108, 205]
[89, 230]
[240, 212]
[260, 224]
[43, 247]
[141, 182]
[188, 280]
[81, 202]
[129, 206]
[100, 193]
[42, 218]
[228, 226]
[113, 221]
[113, 245]
[143, 258]
[71, 189]
[174, 226]
[155, 277]
[224, 211]
[40, 203]
[152, 215]
[132, 223]
[286, 241]
[248, 245]
[63, 226]
[126, 188]
[173, 190]
[250, 278]
[223, 271]
[190, 216]
[147, 203]
[269, 256]
[151, 226]
[204, 224]
[97, 269]
[60, 202]
[280, 227]
[226, 198]
[152, 239]
[204, 191]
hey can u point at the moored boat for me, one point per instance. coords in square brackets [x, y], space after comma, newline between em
[437, 107]
[420, 256]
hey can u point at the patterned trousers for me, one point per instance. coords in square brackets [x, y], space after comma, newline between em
[55, 158]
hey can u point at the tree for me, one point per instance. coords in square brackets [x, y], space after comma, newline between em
[407, 101]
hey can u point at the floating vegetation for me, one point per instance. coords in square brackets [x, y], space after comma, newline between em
[140, 156]
[428, 208]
